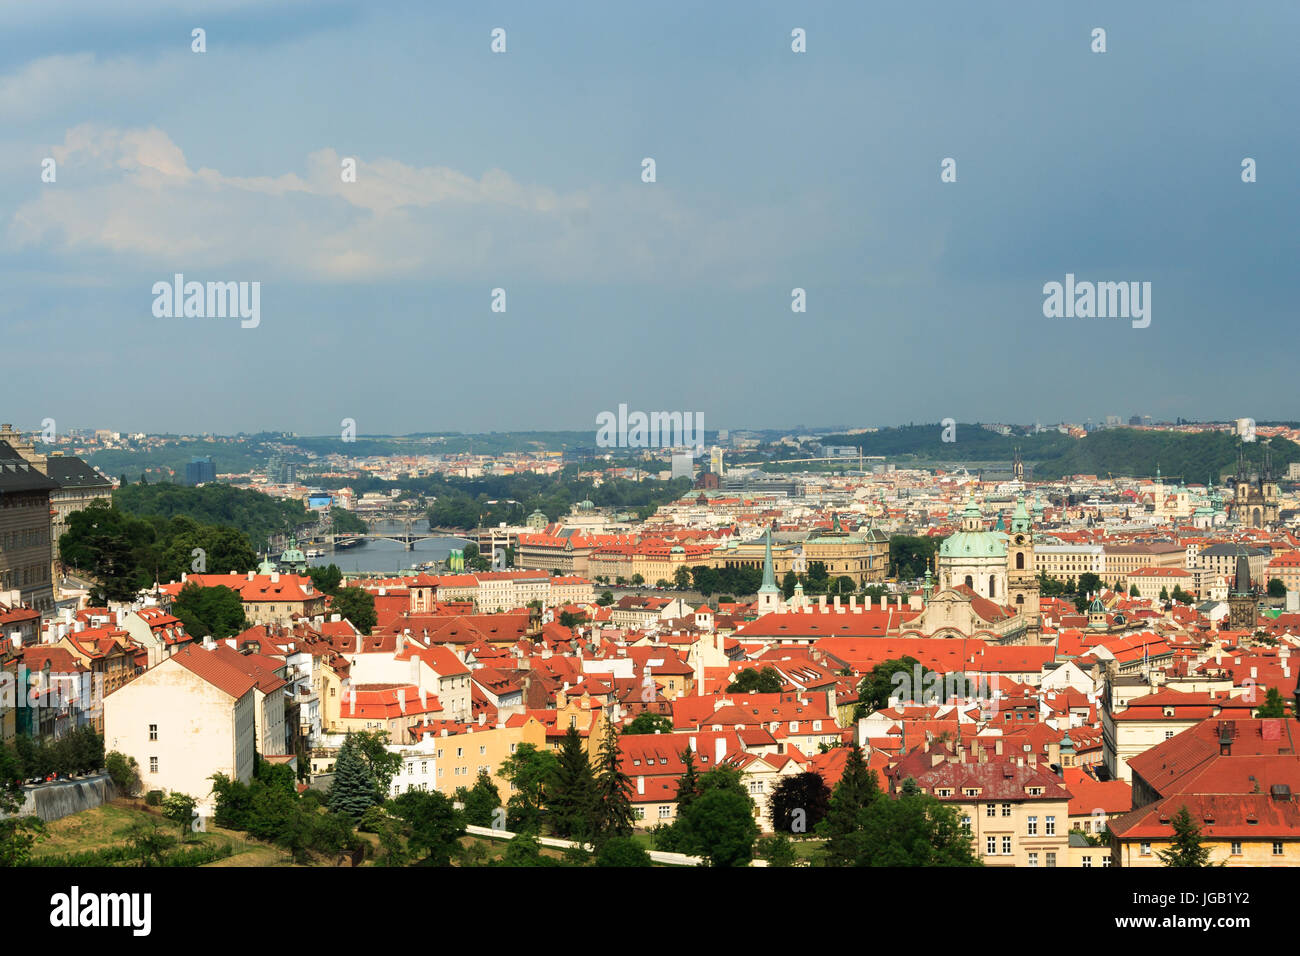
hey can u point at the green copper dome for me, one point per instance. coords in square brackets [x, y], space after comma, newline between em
[980, 544]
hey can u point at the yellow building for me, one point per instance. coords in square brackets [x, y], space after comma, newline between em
[1017, 813]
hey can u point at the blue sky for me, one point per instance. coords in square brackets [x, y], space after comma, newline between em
[522, 171]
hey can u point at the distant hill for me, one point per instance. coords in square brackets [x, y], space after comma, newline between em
[1132, 452]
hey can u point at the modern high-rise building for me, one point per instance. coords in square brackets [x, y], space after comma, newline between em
[199, 471]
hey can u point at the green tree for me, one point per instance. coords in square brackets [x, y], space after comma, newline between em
[1273, 706]
[148, 843]
[18, 834]
[1164, 594]
[799, 803]
[571, 791]
[719, 826]
[688, 784]
[1133, 591]
[606, 598]
[434, 825]
[383, 764]
[179, 808]
[914, 830]
[354, 789]
[356, 605]
[682, 579]
[482, 801]
[842, 826]
[326, 579]
[622, 851]
[750, 681]
[648, 723]
[1186, 849]
[1276, 589]
[788, 584]
[878, 685]
[528, 769]
[614, 815]
[776, 850]
[124, 772]
[216, 612]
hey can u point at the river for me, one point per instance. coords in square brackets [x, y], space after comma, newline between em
[388, 557]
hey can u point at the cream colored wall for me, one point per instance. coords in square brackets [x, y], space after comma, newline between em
[201, 730]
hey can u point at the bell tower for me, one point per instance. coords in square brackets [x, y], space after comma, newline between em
[1022, 582]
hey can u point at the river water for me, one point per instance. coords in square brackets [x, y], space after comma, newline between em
[389, 557]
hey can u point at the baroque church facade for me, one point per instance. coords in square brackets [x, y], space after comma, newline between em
[995, 565]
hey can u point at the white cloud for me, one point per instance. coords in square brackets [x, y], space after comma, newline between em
[135, 193]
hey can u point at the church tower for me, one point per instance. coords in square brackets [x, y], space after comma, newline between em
[1018, 468]
[769, 595]
[1241, 599]
[1022, 582]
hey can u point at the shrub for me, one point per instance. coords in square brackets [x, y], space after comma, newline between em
[154, 798]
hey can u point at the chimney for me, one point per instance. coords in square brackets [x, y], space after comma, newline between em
[275, 577]
[997, 746]
[838, 609]
[853, 604]
[640, 785]
[866, 602]
[821, 602]
[183, 577]
[719, 750]
[694, 748]
[250, 575]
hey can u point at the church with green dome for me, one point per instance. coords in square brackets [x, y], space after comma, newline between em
[994, 564]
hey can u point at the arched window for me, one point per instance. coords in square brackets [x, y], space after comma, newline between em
[970, 582]
[993, 586]
[1020, 599]
[1020, 560]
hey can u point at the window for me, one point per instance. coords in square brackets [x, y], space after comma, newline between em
[1105, 861]
[665, 811]
[153, 764]
[991, 846]
[1051, 858]
[639, 812]
[1087, 862]
[153, 731]
[991, 810]
[1169, 735]
[755, 787]
[965, 824]
[1049, 826]
[1033, 859]
[460, 751]
[1236, 848]
[482, 750]
[1144, 848]
[1277, 847]
[1031, 826]
[1006, 809]
[1006, 846]
[943, 792]
[424, 767]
